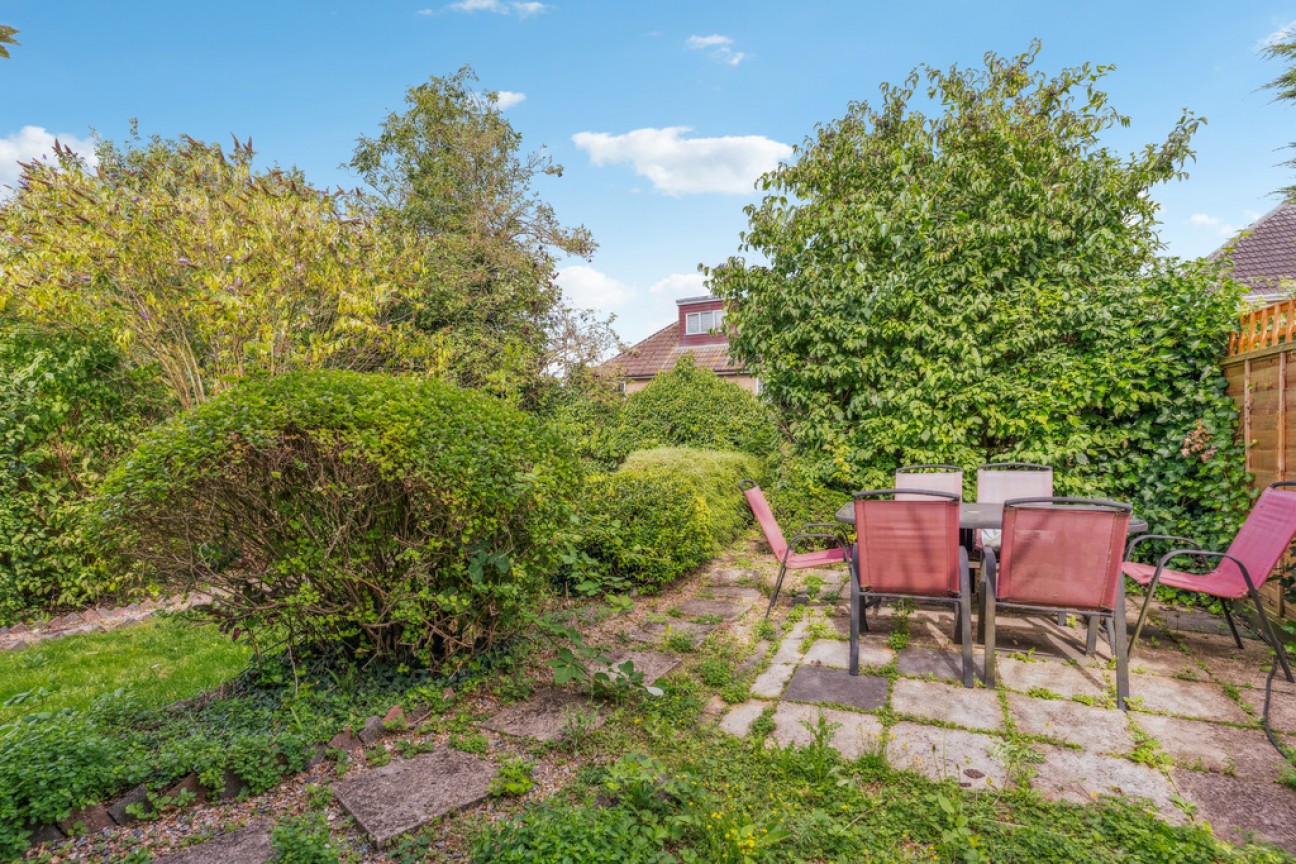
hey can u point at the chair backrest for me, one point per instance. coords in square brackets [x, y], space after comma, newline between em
[1264, 537]
[764, 517]
[908, 545]
[937, 478]
[1000, 481]
[1062, 552]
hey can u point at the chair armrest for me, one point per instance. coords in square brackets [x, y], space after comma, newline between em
[1129, 550]
[809, 535]
[1175, 553]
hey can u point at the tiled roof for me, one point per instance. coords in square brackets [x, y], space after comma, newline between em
[1266, 253]
[660, 351]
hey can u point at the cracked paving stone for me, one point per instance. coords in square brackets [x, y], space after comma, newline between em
[544, 717]
[855, 735]
[939, 753]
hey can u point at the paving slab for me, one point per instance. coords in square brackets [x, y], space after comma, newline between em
[1079, 777]
[1064, 679]
[939, 753]
[855, 735]
[408, 793]
[652, 664]
[934, 700]
[737, 592]
[836, 653]
[1214, 747]
[789, 650]
[1282, 707]
[656, 631]
[544, 717]
[773, 680]
[701, 608]
[1098, 730]
[1236, 807]
[729, 577]
[249, 845]
[1168, 663]
[919, 662]
[739, 719]
[1185, 698]
[821, 684]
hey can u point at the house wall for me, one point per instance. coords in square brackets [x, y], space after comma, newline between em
[1263, 384]
[701, 338]
[747, 382]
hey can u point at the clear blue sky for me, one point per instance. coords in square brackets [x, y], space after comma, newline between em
[750, 78]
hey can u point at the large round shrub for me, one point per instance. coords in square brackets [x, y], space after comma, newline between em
[397, 515]
[693, 407]
[665, 511]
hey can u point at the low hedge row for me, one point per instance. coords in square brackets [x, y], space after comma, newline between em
[665, 512]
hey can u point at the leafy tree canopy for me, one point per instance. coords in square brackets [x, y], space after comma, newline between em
[6, 39]
[982, 281]
[193, 259]
[450, 167]
[1285, 84]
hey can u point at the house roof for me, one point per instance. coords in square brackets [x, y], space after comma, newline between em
[1265, 254]
[660, 351]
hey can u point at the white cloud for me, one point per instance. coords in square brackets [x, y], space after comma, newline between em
[33, 142]
[526, 10]
[587, 288]
[522, 9]
[719, 48]
[1222, 228]
[506, 99]
[684, 166]
[678, 285]
[1282, 34]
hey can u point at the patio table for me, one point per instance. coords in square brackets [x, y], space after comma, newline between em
[975, 515]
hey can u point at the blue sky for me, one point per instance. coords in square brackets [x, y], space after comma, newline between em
[661, 112]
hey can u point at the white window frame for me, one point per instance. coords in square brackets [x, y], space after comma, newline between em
[702, 323]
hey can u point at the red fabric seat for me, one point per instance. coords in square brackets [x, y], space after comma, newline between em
[788, 558]
[1246, 566]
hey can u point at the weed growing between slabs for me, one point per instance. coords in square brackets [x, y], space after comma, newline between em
[663, 786]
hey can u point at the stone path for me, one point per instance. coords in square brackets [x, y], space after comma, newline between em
[94, 620]
[1052, 723]
[1191, 746]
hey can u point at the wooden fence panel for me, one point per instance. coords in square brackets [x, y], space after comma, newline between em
[1265, 391]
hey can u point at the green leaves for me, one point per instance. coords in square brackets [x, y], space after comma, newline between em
[393, 515]
[983, 282]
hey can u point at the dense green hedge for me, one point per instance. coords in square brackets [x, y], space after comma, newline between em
[400, 516]
[68, 408]
[693, 407]
[665, 511]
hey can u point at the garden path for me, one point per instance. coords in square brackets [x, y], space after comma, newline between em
[1191, 745]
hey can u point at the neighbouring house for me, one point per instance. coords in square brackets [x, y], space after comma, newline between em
[1264, 255]
[699, 330]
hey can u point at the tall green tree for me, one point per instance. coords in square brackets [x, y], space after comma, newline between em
[6, 38]
[983, 281]
[1284, 85]
[450, 167]
[193, 259]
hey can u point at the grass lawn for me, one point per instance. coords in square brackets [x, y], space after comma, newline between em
[158, 661]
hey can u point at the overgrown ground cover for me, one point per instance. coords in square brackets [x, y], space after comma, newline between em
[159, 661]
[657, 782]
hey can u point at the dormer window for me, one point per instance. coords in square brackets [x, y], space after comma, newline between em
[700, 323]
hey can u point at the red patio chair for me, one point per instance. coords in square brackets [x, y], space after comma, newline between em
[936, 478]
[1247, 565]
[1060, 555]
[785, 552]
[908, 546]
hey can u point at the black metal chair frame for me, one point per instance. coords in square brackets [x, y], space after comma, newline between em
[1115, 618]
[861, 600]
[1266, 631]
